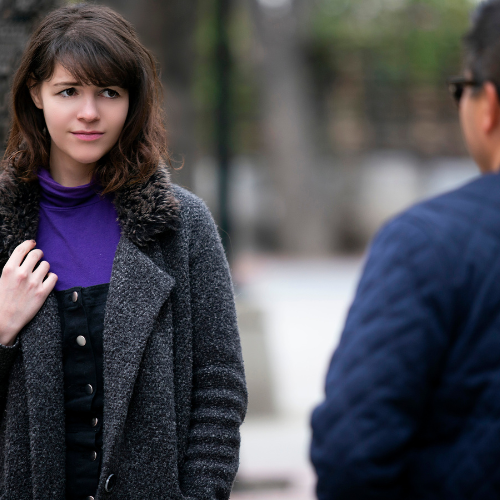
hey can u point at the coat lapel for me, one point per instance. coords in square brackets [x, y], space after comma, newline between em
[137, 291]
[41, 343]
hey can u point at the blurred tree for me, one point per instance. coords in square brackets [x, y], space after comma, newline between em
[398, 52]
[414, 40]
[289, 122]
[17, 18]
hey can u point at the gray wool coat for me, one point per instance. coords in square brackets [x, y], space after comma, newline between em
[174, 387]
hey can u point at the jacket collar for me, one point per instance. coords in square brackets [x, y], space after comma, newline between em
[145, 210]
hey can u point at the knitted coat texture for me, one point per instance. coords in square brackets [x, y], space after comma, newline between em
[174, 386]
[411, 410]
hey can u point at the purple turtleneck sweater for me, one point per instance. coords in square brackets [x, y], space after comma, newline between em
[78, 233]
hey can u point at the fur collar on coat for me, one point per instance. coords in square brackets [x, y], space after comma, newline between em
[144, 210]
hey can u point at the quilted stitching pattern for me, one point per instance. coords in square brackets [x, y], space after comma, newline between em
[412, 407]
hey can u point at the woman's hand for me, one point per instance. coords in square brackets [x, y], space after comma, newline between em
[23, 290]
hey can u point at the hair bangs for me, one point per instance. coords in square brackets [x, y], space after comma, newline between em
[92, 64]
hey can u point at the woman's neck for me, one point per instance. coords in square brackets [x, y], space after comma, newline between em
[70, 179]
[69, 173]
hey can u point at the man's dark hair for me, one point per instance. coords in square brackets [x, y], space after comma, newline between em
[482, 43]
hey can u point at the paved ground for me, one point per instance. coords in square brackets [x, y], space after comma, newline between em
[274, 463]
[299, 307]
[303, 305]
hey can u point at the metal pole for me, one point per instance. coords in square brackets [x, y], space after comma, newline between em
[223, 72]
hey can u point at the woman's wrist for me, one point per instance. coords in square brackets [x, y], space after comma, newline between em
[7, 335]
[7, 343]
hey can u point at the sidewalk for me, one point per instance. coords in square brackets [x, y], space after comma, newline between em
[274, 461]
[291, 314]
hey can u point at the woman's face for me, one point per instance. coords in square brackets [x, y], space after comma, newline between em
[84, 121]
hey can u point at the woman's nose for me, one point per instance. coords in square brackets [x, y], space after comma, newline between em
[88, 110]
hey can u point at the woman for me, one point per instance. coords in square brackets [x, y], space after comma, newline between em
[120, 368]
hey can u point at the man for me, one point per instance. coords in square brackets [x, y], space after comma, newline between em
[412, 407]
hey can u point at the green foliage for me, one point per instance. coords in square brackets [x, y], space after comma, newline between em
[395, 40]
[243, 97]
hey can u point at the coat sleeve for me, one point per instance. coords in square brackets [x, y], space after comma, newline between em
[380, 377]
[219, 396]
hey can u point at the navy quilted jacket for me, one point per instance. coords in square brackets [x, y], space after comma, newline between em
[412, 407]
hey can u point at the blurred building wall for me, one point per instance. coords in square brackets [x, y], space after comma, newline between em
[339, 109]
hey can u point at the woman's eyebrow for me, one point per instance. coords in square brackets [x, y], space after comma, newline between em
[66, 84]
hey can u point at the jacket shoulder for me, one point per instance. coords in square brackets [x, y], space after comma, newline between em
[196, 222]
[193, 211]
[188, 201]
[454, 219]
[459, 210]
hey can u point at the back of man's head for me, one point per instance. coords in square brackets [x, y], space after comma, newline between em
[482, 43]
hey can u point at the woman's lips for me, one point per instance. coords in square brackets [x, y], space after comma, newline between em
[87, 136]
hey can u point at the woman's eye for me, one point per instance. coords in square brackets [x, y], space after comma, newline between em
[110, 93]
[68, 92]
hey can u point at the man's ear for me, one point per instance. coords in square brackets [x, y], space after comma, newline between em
[491, 108]
[35, 94]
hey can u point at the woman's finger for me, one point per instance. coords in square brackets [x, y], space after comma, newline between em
[50, 282]
[32, 259]
[20, 252]
[41, 271]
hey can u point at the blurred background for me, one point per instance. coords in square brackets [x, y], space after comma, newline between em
[304, 125]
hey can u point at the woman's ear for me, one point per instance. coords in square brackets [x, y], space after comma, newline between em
[35, 94]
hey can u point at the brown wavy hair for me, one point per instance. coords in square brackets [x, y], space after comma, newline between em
[98, 47]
